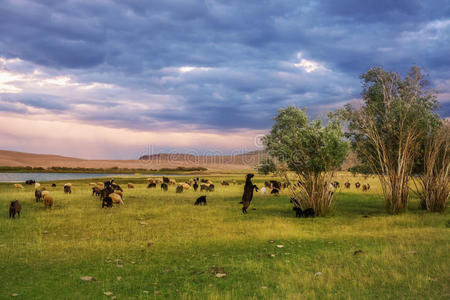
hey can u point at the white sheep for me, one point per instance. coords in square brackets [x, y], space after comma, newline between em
[18, 186]
[263, 191]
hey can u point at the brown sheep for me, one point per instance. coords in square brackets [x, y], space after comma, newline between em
[18, 186]
[130, 185]
[14, 208]
[179, 188]
[116, 198]
[48, 201]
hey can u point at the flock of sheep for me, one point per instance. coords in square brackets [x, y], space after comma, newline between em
[111, 193]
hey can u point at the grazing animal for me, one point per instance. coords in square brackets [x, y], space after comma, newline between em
[119, 193]
[364, 188]
[130, 185]
[276, 184]
[263, 191]
[150, 180]
[357, 185]
[116, 187]
[18, 186]
[107, 202]
[225, 183]
[309, 212]
[203, 180]
[151, 185]
[195, 186]
[185, 185]
[179, 188]
[172, 181]
[101, 185]
[96, 191]
[200, 200]
[166, 180]
[211, 188]
[158, 180]
[164, 187]
[234, 181]
[37, 195]
[53, 184]
[92, 184]
[37, 185]
[275, 192]
[347, 185]
[203, 187]
[248, 192]
[14, 208]
[335, 184]
[267, 184]
[116, 198]
[30, 182]
[298, 212]
[67, 189]
[48, 201]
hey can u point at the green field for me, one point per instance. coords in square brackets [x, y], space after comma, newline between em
[159, 245]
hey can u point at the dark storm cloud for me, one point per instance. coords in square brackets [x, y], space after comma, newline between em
[244, 52]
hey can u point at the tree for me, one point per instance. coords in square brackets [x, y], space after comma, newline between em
[387, 130]
[312, 151]
[433, 183]
[267, 166]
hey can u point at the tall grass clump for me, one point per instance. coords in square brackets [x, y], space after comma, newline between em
[433, 185]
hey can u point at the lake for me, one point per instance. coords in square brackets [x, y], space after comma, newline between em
[38, 177]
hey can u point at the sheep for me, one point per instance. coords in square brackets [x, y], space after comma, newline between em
[203, 187]
[151, 185]
[14, 208]
[309, 212]
[225, 183]
[130, 185]
[18, 186]
[195, 186]
[200, 200]
[172, 181]
[96, 191]
[48, 201]
[248, 192]
[37, 185]
[166, 180]
[158, 180]
[179, 188]
[119, 193]
[92, 184]
[209, 182]
[335, 184]
[364, 188]
[276, 184]
[357, 185]
[150, 180]
[263, 191]
[203, 180]
[115, 187]
[164, 187]
[53, 184]
[267, 184]
[234, 181]
[45, 192]
[191, 181]
[101, 185]
[116, 198]
[275, 192]
[347, 185]
[37, 195]
[185, 186]
[298, 212]
[68, 188]
[211, 188]
[30, 182]
[107, 202]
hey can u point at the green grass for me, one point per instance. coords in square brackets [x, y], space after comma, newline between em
[162, 246]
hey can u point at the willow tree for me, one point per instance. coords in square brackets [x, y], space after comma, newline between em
[312, 151]
[387, 130]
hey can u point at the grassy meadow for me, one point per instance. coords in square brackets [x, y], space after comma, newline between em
[159, 245]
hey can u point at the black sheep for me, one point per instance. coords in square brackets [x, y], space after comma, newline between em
[200, 200]
[166, 180]
[107, 202]
[179, 189]
[151, 185]
[30, 181]
[14, 208]
[248, 192]
[298, 212]
[164, 186]
[275, 192]
[67, 189]
[96, 191]
[211, 188]
[347, 185]
[309, 212]
[357, 185]
[53, 184]
[37, 195]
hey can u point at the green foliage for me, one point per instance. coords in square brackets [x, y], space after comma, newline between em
[267, 166]
[306, 146]
[387, 131]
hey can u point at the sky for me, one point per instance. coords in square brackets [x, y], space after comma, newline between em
[113, 79]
